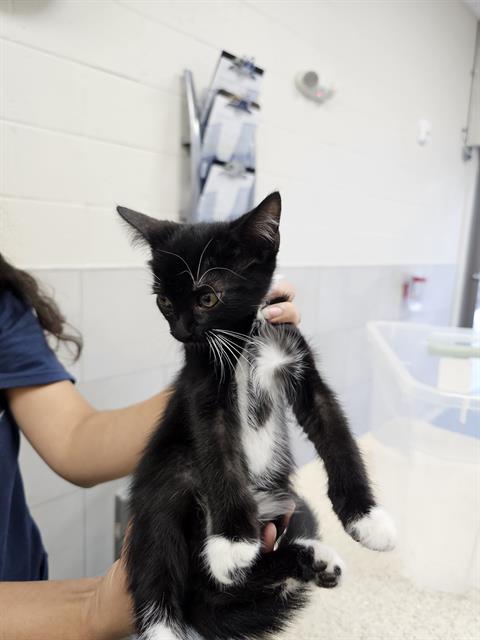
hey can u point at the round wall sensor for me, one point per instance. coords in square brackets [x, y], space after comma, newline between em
[308, 83]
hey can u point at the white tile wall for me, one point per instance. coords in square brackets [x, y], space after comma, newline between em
[72, 169]
[108, 37]
[99, 527]
[84, 234]
[87, 101]
[62, 524]
[91, 115]
[122, 390]
[122, 297]
[65, 286]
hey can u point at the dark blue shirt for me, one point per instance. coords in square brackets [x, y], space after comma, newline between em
[25, 359]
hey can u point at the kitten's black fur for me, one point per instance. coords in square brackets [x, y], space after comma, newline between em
[200, 479]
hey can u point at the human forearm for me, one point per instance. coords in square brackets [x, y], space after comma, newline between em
[86, 609]
[108, 444]
[83, 445]
[47, 610]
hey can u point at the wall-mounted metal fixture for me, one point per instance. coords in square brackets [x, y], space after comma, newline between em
[308, 83]
[219, 138]
[192, 142]
[471, 132]
[467, 295]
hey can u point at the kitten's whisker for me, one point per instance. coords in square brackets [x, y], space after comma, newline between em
[214, 350]
[224, 346]
[240, 335]
[216, 346]
[242, 355]
[230, 350]
[243, 336]
[237, 349]
[223, 353]
[200, 261]
[222, 269]
[182, 259]
[227, 353]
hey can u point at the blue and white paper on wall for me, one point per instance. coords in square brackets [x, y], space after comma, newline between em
[227, 149]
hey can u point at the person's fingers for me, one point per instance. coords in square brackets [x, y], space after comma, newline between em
[269, 537]
[289, 514]
[282, 312]
[281, 288]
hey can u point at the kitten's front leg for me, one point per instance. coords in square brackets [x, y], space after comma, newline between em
[323, 420]
[233, 533]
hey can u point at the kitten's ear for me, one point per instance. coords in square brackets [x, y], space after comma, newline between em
[145, 228]
[261, 224]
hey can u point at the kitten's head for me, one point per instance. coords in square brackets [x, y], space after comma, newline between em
[211, 275]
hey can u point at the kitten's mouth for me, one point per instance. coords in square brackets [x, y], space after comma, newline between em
[188, 339]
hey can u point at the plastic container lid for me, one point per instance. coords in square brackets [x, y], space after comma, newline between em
[415, 352]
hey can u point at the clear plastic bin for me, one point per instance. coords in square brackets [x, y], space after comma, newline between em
[425, 423]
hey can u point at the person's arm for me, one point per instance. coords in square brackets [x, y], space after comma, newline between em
[86, 446]
[86, 609]
[81, 444]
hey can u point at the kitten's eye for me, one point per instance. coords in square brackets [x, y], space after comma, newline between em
[208, 300]
[163, 301]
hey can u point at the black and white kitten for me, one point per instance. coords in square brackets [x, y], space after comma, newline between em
[218, 466]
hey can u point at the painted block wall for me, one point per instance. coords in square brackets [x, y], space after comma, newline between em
[90, 117]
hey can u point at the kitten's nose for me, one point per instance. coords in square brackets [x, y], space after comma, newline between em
[181, 331]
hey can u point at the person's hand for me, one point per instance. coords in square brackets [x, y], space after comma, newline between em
[110, 610]
[282, 311]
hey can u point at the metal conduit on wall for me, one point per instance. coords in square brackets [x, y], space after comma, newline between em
[469, 263]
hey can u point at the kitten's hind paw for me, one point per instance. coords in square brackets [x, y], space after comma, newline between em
[227, 560]
[375, 530]
[327, 566]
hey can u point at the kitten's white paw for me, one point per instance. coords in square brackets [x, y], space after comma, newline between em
[325, 555]
[375, 531]
[227, 559]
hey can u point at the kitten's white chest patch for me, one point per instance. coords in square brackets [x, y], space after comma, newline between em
[257, 442]
[260, 441]
[259, 445]
[270, 360]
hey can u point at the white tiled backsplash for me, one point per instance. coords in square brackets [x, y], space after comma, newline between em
[129, 355]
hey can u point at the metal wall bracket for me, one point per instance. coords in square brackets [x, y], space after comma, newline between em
[192, 140]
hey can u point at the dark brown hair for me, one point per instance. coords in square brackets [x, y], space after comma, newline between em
[53, 322]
